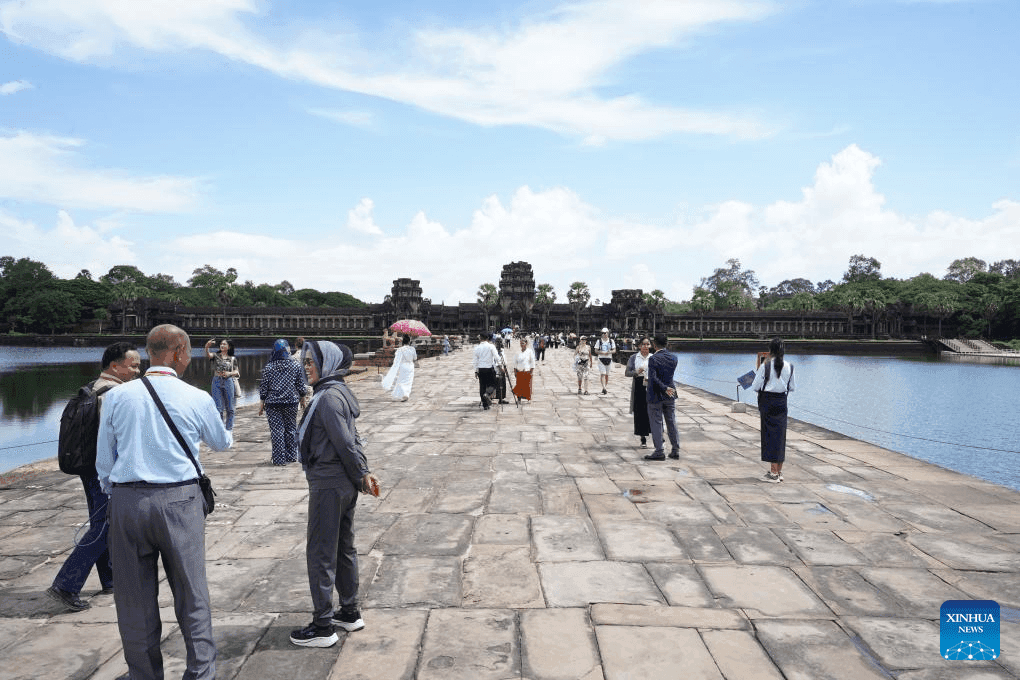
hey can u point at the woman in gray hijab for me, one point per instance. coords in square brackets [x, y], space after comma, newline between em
[334, 462]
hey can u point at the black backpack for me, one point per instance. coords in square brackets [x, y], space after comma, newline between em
[79, 430]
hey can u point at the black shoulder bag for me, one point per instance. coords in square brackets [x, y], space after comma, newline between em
[204, 482]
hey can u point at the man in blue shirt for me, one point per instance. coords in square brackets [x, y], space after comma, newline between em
[156, 507]
[662, 398]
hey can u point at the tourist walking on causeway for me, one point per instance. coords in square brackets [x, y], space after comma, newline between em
[637, 368]
[582, 363]
[120, 364]
[605, 346]
[446, 345]
[524, 365]
[485, 362]
[773, 381]
[661, 395]
[400, 378]
[281, 390]
[224, 371]
[157, 510]
[336, 469]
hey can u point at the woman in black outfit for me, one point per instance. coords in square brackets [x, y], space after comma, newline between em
[637, 368]
[773, 381]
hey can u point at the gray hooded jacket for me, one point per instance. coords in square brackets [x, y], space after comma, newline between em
[331, 451]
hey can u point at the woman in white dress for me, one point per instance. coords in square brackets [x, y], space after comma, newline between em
[400, 377]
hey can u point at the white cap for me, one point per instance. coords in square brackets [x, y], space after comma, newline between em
[605, 330]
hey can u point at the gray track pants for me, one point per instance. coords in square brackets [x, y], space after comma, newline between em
[331, 557]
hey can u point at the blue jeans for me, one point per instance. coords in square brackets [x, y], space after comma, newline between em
[223, 397]
[91, 549]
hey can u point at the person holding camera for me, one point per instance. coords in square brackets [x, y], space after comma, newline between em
[224, 371]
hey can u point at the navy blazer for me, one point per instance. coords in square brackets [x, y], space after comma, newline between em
[661, 368]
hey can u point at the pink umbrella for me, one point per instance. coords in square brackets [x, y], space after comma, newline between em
[411, 327]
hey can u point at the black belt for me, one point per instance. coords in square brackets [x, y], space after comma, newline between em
[153, 485]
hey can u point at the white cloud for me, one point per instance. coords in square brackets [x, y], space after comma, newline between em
[15, 86]
[361, 119]
[48, 169]
[553, 230]
[545, 71]
[567, 239]
[360, 218]
[842, 214]
[66, 248]
[640, 276]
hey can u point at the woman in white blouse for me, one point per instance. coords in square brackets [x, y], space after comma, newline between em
[637, 368]
[773, 381]
[524, 364]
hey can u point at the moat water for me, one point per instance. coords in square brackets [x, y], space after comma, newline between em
[937, 411]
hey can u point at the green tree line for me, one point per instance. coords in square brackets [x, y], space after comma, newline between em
[981, 300]
[34, 300]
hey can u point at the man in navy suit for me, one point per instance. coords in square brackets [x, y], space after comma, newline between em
[662, 399]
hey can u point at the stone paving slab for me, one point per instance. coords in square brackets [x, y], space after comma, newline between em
[559, 644]
[536, 543]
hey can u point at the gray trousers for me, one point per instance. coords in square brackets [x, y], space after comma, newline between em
[663, 410]
[146, 524]
[330, 554]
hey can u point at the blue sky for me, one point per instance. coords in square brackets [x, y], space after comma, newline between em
[624, 143]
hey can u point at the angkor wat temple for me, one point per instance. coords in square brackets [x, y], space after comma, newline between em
[515, 306]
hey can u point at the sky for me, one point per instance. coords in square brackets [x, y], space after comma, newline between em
[623, 143]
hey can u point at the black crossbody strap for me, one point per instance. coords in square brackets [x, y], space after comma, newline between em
[170, 422]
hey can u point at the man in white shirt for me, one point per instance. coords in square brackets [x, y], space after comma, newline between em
[485, 361]
[604, 347]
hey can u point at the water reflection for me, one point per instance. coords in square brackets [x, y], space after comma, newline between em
[35, 384]
[33, 390]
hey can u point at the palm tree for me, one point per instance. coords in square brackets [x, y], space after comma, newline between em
[656, 304]
[126, 292]
[852, 302]
[578, 296]
[803, 303]
[702, 302]
[944, 306]
[989, 305]
[488, 298]
[225, 295]
[545, 297]
[926, 303]
[874, 300]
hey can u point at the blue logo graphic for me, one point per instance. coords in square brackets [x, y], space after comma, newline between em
[969, 630]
